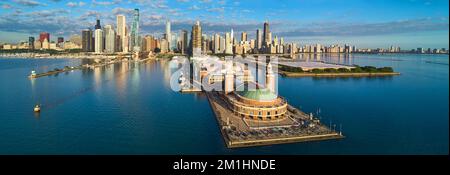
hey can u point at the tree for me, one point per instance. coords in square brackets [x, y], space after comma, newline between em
[343, 70]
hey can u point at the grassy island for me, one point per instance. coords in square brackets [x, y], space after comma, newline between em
[355, 71]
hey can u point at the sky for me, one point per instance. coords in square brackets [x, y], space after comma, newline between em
[364, 23]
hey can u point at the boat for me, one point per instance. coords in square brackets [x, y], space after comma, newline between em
[181, 80]
[33, 74]
[37, 108]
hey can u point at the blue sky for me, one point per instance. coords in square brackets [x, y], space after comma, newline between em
[364, 23]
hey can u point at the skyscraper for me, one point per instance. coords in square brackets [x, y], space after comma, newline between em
[232, 36]
[228, 44]
[97, 25]
[43, 36]
[60, 40]
[86, 40]
[168, 34]
[244, 36]
[266, 38]
[121, 32]
[258, 39]
[31, 43]
[184, 40]
[98, 41]
[217, 43]
[135, 32]
[110, 37]
[196, 39]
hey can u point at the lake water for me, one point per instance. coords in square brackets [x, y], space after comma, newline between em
[129, 108]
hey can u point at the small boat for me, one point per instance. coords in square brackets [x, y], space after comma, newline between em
[37, 108]
[33, 74]
[181, 80]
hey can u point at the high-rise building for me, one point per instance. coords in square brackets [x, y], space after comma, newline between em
[60, 40]
[134, 44]
[217, 43]
[149, 43]
[37, 44]
[43, 36]
[258, 39]
[98, 41]
[45, 44]
[110, 38]
[244, 36]
[31, 43]
[232, 37]
[266, 35]
[196, 39]
[252, 44]
[121, 33]
[269, 39]
[184, 41]
[86, 40]
[164, 46]
[97, 25]
[222, 45]
[76, 39]
[228, 44]
[168, 33]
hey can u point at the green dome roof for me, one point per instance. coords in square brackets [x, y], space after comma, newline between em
[258, 94]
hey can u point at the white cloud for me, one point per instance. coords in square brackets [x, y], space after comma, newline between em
[194, 7]
[29, 3]
[106, 3]
[75, 4]
[6, 6]
[205, 1]
[120, 10]
[216, 9]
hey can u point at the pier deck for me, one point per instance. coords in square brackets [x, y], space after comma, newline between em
[237, 132]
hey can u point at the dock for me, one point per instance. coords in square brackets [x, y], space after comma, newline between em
[296, 127]
[55, 72]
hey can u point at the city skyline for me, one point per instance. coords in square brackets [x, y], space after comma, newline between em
[403, 23]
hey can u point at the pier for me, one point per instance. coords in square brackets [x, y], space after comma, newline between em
[67, 68]
[297, 127]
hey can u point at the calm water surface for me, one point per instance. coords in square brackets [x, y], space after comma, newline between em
[129, 108]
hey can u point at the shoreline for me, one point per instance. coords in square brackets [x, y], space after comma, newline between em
[362, 74]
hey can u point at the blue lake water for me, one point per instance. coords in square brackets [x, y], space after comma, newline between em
[129, 108]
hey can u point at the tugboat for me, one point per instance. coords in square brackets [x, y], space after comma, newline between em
[37, 108]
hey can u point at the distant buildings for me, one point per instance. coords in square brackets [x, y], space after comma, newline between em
[98, 41]
[168, 34]
[60, 40]
[43, 36]
[87, 40]
[134, 36]
[97, 25]
[110, 39]
[196, 39]
[122, 33]
[183, 41]
[31, 42]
